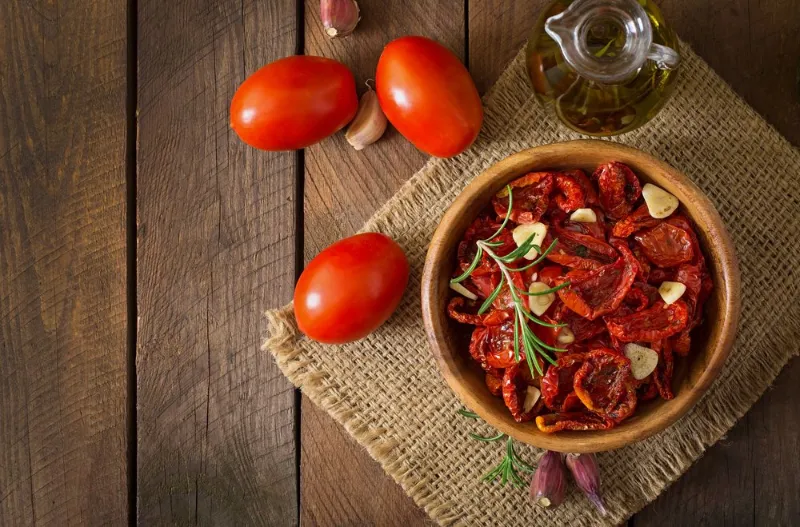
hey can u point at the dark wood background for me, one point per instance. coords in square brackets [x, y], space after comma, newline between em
[140, 241]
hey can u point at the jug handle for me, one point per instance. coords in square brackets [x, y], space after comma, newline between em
[665, 58]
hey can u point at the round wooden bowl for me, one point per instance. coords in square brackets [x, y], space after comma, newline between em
[711, 342]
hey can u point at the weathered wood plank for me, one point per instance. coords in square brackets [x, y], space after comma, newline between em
[749, 478]
[342, 189]
[63, 344]
[216, 246]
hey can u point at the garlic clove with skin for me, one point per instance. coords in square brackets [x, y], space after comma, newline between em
[369, 123]
[549, 482]
[339, 17]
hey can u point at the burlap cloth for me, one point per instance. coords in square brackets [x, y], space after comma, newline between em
[387, 391]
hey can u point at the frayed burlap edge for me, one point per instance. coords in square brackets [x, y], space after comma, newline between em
[706, 424]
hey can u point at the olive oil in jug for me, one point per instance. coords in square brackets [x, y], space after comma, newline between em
[604, 66]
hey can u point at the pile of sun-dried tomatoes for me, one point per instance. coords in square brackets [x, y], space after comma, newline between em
[614, 266]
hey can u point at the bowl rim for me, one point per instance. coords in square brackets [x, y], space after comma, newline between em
[495, 177]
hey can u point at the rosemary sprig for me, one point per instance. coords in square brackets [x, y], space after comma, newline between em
[509, 468]
[511, 464]
[531, 344]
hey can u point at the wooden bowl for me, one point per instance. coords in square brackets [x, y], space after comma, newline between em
[711, 342]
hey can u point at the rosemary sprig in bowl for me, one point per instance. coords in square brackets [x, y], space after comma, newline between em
[531, 344]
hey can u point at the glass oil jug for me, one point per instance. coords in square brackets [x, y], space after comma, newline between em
[604, 66]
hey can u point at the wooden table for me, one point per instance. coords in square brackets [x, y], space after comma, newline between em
[140, 242]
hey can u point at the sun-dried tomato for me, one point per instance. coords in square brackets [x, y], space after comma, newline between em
[530, 200]
[516, 381]
[662, 377]
[500, 353]
[698, 286]
[682, 222]
[647, 391]
[635, 221]
[603, 383]
[479, 345]
[557, 390]
[458, 308]
[655, 323]
[550, 275]
[595, 229]
[601, 291]
[666, 245]
[482, 228]
[581, 251]
[589, 193]
[582, 328]
[645, 269]
[636, 299]
[557, 422]
[494, 383]
[505, 300]
[619, 189]
[569, 195]
[658, 275]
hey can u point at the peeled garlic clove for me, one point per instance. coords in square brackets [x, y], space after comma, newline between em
[522, 232]
[583, 216]
[339, 17]
[643, 360]
[369, 123]
[671, 291]
[565, 336]
[660, 203]
[549, 482]
[587, 477]
[538, 304]
[532, 395]
[463, 291]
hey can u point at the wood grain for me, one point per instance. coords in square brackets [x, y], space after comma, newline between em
[746, 479]
[342, 189]
[63, 344]
[216, 246]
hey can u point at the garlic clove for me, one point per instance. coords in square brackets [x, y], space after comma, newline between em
[660, 203]
[549, 482]
[671, 291]
[584, 216]
[538, 303]
[587, 477]
[521, 233]
[643, 360]
[339, 17]
[369, 123]
[565, 336]
[463, 291]
[532, 395]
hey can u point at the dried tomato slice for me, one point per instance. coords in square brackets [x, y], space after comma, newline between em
[570, 193]
[635, 221]
[557, 422]
[698, 286]
[637, 299]
[557, 384]
[482, 228]
[647, 391]
[589, 193]
[479, 345]
[655, 323]
[530, 200]
[457, 306]
[602, 290]
[550, 275]
[619, 189]
[581, 251]
[662, 377]
[582, 328]
[494, 383]
[500, 353]
[516, 380]
[603, 384]
[666, 245]
[682, 222]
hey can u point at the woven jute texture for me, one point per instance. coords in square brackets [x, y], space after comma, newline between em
[387, 391]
